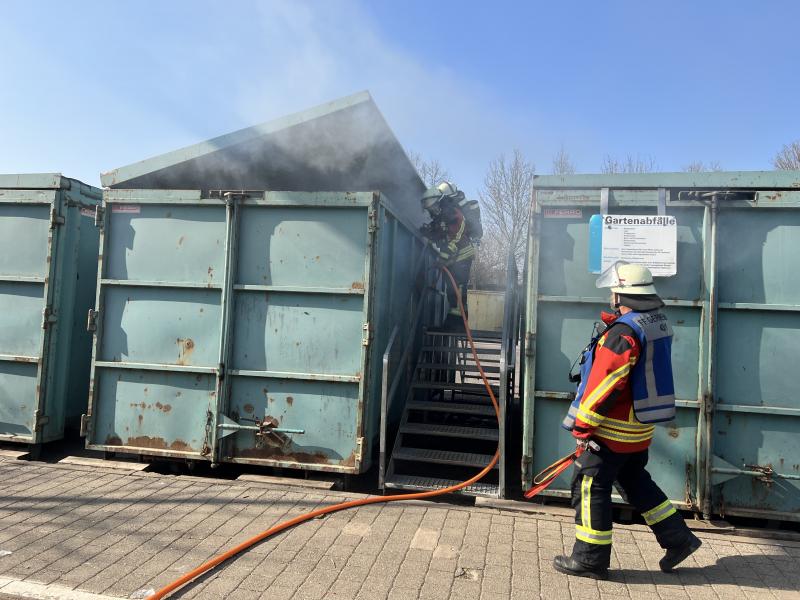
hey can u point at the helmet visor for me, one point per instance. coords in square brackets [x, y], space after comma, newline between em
[610, 277]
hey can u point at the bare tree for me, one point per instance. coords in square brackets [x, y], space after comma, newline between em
[430, 171]
[630, 164]
[788, 159]
[699, 166]
[505, 199]
[489, 268]
[562, 163]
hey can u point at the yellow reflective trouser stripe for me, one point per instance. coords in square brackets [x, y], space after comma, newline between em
[659, 513]
[455, 311]
[605, 385]
[593, 536]
[586, 501]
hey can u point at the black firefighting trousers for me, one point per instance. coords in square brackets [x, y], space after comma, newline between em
[460, 271]
[592, 483]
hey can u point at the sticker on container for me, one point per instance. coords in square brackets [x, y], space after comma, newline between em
[133, 209]
[649, 240]
[563, 213]
[87, 212]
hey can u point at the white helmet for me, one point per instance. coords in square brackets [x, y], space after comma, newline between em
[626, 278]
[434, 194]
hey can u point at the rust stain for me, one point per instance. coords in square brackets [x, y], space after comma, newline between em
[211, 272]
[357, 285]
[248, 408]
[673, 432]
[141, 419]
[180, 240]
[165, 408]
[278, 454]
[350, 461]
[113, 440]
[156, 443]
[289, 400]
[185, 350]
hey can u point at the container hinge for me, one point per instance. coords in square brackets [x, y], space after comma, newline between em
[766, 473]
[48, 318]
[99, 212]
[86, 424]
[221, 370]
[359, 451]
[367, 335]
[40, 420]
[373, 221]
[91, 320]
[55, 218]
[530, 340]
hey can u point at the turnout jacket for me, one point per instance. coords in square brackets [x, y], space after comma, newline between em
[624, 383]
[449, 232]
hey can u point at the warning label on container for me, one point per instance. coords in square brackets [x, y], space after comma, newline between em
[649, 240]
[87, 212]
[126, 208]
[563, 213]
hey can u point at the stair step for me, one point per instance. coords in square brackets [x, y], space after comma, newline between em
[461, 350]
[414, 482]
[471, 388]
[443, 457]
[483, 410]
[478, 433]
[477, 336]
[468, 368]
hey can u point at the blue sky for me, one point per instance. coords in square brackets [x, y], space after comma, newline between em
[86, 86]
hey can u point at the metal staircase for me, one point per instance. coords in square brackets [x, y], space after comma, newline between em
[448, 429]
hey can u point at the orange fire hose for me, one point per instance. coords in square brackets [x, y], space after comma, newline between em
[217, 560]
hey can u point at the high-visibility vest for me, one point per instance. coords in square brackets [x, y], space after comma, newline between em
[652, 387]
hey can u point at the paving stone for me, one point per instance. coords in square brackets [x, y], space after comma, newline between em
[119, 531]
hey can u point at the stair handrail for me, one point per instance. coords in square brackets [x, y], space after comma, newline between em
[508, 352]
[389, 388]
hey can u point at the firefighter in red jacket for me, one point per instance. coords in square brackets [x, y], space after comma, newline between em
[449, 233]
[625, 388]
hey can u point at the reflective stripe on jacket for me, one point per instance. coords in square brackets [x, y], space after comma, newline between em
[624, 375]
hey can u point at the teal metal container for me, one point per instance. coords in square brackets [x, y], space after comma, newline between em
[735, 308]
[48, 261]
[248, 326]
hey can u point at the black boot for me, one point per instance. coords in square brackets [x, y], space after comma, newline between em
[570, 566]
[675, 556]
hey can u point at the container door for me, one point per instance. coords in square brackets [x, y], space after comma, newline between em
[756, 446]
[563, 305]
[26, 241]
[155, 371]
[296, 360]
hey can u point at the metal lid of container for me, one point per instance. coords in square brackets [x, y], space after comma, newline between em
[344, 145]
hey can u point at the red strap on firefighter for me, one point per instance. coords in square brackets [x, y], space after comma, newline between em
[549, 474]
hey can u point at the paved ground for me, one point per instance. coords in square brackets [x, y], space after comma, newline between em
[107, 532]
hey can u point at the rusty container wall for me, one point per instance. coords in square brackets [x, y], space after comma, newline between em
[48, 261]
[735, 309]
[246, 327]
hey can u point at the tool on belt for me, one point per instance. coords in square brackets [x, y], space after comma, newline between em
[549, 474]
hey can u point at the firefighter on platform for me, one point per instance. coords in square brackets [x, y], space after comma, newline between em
[625, 388]
[450, 234]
